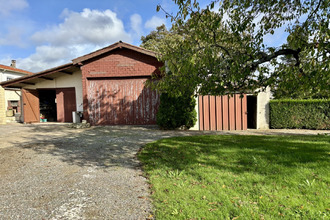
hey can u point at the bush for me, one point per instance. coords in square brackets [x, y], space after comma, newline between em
[176, 112]
[302, 114]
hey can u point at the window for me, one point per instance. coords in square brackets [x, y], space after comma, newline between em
[9, 78]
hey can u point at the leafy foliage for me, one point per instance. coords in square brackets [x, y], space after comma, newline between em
[300, 82]
[306, 114]
[220, 48]
[176, 112]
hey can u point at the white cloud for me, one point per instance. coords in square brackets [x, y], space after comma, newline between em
[78, 34]
[154, 22]
[87, 27]
[136, 24]
[7, 6]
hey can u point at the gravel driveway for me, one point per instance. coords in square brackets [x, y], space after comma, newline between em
[49, 171]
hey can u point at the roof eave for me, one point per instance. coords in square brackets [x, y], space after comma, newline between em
[36, 75]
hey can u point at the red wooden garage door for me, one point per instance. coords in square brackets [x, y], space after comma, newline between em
[121, 102]
[31, 109]
[66, 104]
[222, 112]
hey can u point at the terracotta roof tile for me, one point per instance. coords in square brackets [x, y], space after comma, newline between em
[112, 47]
[15, 70]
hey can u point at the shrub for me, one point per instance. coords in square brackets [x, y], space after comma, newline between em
[176, 112]
[302, 114]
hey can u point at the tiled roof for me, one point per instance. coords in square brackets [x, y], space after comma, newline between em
[15, 70]
[112, 47]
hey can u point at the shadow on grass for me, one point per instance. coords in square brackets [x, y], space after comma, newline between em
[238, 154]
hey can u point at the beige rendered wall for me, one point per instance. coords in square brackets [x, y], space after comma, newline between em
[2, 106]
[263, 99]
[196, 126]
[12, 95]
[73, 80]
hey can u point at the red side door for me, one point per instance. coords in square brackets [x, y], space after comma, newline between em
[66, 104]
[31, 110]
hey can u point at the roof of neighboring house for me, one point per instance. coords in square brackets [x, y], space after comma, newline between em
[118, 45]
[10, 68]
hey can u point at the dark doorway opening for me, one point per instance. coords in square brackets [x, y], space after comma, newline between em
[252, 111]
[47, 99]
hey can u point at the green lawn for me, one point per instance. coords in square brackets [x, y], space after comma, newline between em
[244, 177]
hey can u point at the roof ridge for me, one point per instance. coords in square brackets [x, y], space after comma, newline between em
[111, 47]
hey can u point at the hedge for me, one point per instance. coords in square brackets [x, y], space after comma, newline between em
[176, 112]
[301, 114]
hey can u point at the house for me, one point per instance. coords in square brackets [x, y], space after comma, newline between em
[10, 98]
[106, 87]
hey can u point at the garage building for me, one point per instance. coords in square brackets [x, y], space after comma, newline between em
[106, 86]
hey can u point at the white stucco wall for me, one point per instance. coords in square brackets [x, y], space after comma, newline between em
[65, 81]
[196, 126]
[263, 99]
[4, 74]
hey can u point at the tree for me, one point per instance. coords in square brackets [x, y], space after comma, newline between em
[219, 48]
[297, 83]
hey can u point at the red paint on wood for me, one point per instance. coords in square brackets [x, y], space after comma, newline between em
[121, 102]
[244, 112]
[31, 109]
[213, 119]
[231, 101]
[206, 110]
[133, 104]
[218, 101]
[222, 112]
[66, 104]
[238, 111]
[201, 113]
[225, 113]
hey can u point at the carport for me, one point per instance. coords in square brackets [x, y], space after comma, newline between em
[50, 94]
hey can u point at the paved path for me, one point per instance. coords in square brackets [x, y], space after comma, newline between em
[48, 171]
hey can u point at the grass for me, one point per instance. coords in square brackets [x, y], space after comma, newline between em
[244, 177]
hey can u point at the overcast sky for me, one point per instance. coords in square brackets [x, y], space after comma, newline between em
[41, 34]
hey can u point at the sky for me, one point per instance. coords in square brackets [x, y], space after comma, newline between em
[41, 34]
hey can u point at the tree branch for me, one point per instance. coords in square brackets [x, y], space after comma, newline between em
[266, 58]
